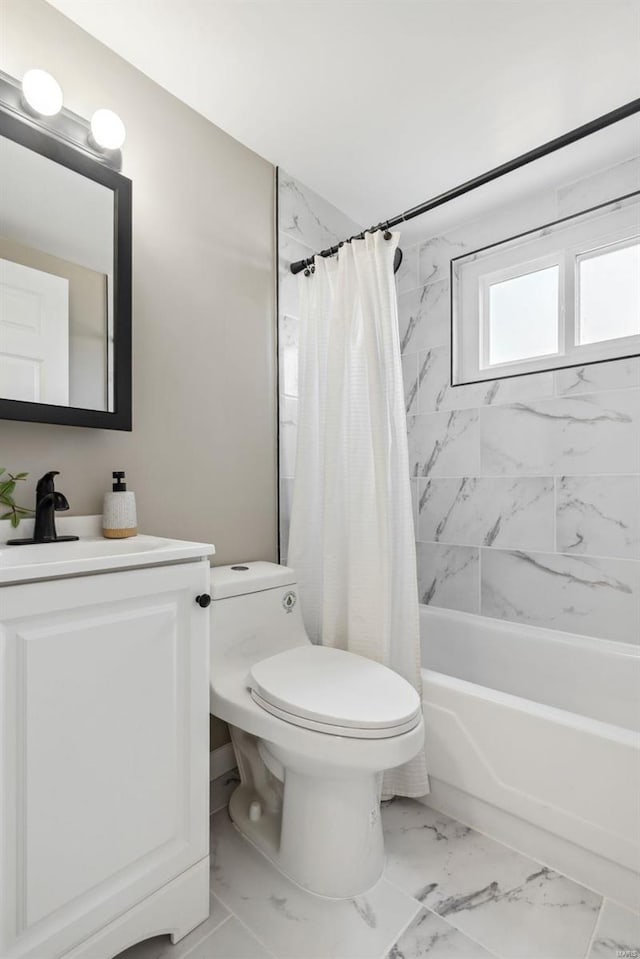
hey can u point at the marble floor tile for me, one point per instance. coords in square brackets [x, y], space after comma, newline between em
[508, 903]
[161, 947]
[430, 937]
[617, 933]
[290, 922]
[231, 941]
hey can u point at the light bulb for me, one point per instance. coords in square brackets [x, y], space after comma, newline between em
[42, 92]
[107, 129]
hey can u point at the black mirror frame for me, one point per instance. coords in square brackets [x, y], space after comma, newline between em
[36, 139]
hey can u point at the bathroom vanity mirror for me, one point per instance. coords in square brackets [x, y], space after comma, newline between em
[65, 283]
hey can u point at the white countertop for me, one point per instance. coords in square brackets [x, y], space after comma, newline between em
[90, 554]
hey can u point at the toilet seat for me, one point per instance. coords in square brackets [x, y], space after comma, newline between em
[335, 692]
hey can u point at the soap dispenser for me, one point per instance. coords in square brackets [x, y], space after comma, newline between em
[119, 513]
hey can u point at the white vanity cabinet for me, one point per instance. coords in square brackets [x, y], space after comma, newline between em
[104, 728]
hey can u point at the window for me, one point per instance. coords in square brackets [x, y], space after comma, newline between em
[522, 315]
[558, 296]
[609, 293]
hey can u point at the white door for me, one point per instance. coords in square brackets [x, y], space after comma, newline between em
[104, 727]
[34, 335]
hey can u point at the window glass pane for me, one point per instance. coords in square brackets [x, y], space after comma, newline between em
[523, 316]
[609, 295]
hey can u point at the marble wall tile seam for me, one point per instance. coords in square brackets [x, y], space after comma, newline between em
[556, 554]
[478, 474]
[613, 524]
[632, 565]
[523, 548]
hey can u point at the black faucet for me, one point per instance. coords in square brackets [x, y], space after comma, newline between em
[48, 502]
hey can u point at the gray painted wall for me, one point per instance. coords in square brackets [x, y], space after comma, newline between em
[202, 456]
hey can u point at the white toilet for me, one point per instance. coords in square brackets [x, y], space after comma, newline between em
[313, 727]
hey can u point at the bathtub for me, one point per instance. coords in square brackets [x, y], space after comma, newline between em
[533, 737]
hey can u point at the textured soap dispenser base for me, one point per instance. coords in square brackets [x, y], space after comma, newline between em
[119, 533]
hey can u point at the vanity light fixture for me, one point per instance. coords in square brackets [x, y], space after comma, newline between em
[42, 93]
[37, 100]
[107, 130]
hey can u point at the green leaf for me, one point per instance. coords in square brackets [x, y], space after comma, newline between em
[20, 476]
[15, 520]
[6, 516]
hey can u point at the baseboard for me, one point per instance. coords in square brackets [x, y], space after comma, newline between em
[221, 760]
[603, 876]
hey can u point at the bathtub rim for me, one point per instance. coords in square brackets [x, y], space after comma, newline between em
[531, 632]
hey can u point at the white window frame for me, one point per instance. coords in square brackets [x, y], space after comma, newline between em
[562, 244]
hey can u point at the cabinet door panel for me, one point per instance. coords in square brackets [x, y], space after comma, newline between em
[105, 726]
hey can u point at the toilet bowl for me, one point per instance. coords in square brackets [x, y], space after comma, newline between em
[312, 728]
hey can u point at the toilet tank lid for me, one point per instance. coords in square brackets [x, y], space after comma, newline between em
[243, 578]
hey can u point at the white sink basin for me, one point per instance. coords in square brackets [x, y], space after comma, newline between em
[92, 554]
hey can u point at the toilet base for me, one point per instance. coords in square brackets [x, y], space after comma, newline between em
[328, 835]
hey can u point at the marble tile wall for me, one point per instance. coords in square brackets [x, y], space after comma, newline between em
[306, 224]
[526, 490]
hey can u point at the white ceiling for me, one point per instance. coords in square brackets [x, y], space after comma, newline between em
[379, 104]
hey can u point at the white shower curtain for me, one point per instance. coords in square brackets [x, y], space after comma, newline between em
[351, 539]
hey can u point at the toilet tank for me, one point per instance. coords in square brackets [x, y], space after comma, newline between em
[255, 613]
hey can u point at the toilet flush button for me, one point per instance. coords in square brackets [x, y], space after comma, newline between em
[255, 811]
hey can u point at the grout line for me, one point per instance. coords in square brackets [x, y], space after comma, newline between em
[404, 928]
[252, 933]
[595, 929]
[464, 933]
[422, 905]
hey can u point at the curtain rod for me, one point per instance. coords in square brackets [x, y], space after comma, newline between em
[620, 113]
